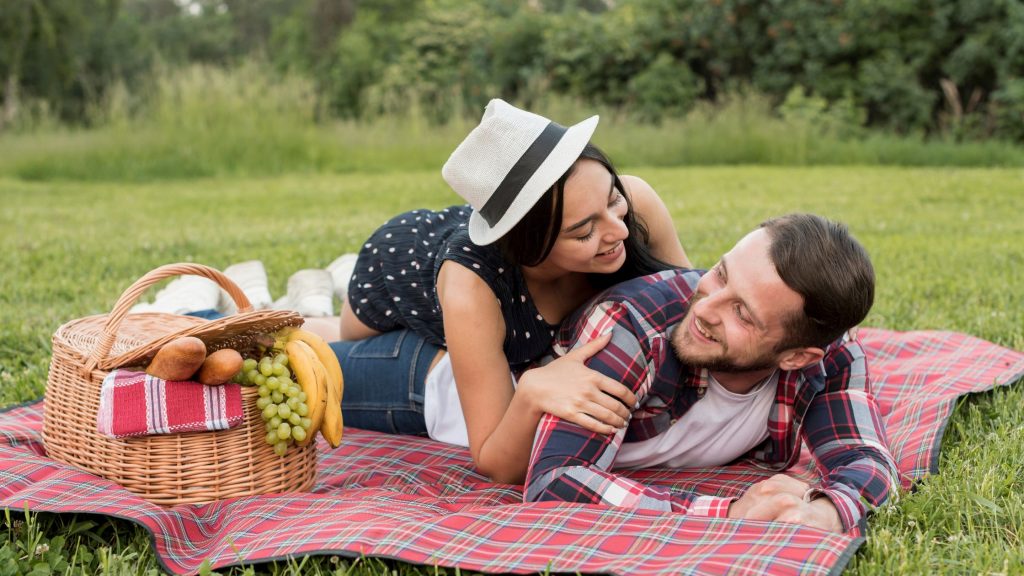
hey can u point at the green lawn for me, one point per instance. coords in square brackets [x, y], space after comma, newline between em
[948, 247]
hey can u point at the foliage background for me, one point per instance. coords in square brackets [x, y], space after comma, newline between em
[953, 68]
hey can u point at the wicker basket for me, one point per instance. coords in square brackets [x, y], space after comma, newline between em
[166, 469]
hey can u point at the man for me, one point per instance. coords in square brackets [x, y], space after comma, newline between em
[743, 360]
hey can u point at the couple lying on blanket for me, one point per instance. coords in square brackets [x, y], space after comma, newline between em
[554, 327]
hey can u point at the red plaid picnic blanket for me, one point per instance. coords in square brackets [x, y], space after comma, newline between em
[419, 501]
[137, 404]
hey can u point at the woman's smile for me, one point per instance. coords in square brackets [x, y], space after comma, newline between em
[611, 253]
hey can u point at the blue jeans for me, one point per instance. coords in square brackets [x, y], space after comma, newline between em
[209, 314]
[384, 380]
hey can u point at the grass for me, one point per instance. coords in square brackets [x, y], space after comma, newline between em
[204, 122]
[946, 243]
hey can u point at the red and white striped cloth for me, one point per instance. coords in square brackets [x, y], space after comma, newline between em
[137, 404]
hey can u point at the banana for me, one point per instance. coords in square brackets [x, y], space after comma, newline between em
[321, 374]
[310, 374]
[321, 348]
[332, 425]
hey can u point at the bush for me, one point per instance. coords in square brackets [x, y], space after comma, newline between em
[892, 94]
[1008, 110]
[442, 68]
[841, 118]
[352, 69]
[665, 88]
[946, 68]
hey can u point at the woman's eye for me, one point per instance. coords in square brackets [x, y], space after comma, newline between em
[617, 199]
[587, 237]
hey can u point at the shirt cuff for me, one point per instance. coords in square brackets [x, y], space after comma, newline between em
[710, 506]
[849, 514]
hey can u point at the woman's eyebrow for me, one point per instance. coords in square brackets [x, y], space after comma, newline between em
[585, 221]
[579, 224]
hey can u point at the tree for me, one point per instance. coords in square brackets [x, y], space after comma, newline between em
[17, 26]
[46, 50]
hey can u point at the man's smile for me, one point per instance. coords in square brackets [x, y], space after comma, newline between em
[702, 330]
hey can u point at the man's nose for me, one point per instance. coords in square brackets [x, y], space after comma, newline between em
[709, 307]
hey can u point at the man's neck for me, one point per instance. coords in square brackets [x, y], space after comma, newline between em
[742, 382]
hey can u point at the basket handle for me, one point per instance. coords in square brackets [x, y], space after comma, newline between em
[129, 296]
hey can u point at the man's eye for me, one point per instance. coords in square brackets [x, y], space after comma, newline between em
[742, 315]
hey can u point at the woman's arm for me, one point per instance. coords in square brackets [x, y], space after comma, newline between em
[351, 327]
[501, 421]
[475, 333]
[664, 240]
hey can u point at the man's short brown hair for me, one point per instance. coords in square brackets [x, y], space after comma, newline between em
[820, 260]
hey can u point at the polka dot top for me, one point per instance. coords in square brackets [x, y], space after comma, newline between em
[393, 285]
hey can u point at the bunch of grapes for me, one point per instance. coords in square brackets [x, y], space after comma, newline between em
[280, 398]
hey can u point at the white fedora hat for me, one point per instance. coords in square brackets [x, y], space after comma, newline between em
[508, 162]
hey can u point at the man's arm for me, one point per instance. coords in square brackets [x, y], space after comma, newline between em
[570, 464]
[843, 428]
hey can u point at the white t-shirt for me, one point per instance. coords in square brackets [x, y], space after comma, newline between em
[442, 410]
[719, 428]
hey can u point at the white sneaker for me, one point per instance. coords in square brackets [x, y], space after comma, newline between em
[341, 273]
[184, 294]
[310, 293]
[251, 277]
[141, 307]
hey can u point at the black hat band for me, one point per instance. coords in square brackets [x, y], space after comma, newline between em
[496, 206]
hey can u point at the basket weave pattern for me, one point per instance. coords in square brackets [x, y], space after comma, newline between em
[167, 469]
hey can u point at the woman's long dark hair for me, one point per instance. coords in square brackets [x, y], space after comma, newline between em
[530, 241]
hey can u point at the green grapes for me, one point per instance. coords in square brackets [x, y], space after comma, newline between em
[281, 401]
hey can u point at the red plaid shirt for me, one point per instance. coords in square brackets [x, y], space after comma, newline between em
[829, 405]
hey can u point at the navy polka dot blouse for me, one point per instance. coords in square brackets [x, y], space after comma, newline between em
[393, 285]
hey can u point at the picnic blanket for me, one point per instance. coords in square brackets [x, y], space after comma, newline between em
[419, 501]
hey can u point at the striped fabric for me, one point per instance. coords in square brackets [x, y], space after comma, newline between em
[419, 501]
[137, 404]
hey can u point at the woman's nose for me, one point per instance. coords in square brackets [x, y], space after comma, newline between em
[616, 230]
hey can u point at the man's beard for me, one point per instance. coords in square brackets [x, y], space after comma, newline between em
[715, 362]
[722, 364]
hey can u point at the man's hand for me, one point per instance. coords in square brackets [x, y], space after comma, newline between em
[781, 499]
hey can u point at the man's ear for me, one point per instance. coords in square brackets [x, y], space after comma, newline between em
[797, 358]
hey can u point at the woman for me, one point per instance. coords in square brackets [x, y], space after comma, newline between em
[549, 224]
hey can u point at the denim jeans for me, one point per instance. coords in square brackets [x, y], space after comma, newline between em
[384, 380]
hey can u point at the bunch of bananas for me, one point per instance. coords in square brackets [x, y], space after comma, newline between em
[318, 373]
[295, 410]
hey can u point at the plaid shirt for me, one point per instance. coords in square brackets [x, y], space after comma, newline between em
[828, 405]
